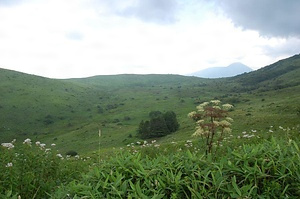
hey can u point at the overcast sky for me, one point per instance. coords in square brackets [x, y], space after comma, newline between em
[80, 38]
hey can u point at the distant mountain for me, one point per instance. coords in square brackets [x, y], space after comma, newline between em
[218, 72]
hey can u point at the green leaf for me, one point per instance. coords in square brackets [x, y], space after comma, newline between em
[235, 186]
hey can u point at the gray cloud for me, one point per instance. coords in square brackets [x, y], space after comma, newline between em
[158, 11]
[277, 18]
[290, 47]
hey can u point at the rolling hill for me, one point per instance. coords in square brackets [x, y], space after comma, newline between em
[219, 72]
[69, 112]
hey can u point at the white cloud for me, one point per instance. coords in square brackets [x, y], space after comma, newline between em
[83, 38]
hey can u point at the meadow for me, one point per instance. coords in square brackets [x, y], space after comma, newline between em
[50, 118]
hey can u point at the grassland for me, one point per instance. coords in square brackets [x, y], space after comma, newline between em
[71, 111]
[260, 158]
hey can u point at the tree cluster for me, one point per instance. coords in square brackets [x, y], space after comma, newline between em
[160, 124]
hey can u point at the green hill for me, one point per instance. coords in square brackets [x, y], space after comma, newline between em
[70, 112]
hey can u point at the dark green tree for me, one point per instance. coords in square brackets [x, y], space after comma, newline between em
[159, 125]
[171, 121]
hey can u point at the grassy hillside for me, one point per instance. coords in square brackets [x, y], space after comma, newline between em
[70, 112]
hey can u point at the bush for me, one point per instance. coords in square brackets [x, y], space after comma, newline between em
[159, 125]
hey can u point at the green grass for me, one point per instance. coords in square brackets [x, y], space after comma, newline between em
[260, 168]
[67, 111]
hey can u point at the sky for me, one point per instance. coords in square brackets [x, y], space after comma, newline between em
[81, 38]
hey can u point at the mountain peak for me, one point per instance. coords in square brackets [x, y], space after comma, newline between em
[231, 70]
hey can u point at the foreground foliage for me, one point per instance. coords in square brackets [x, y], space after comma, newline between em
[270, 169]
[267, 170]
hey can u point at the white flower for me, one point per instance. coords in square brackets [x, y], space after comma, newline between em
[59, 155]
[200, 121]
[200, 108]
[227, 106]
[10, 164]
[216, 107]
[156, 145]
[271, 131]
[47, 150]
[192, 114]
[216, 102]
[229, 119]
[204, 104]
[42, 145]
[53, 144]
[8, 145]
[27, 141]
[224, 123]
[198, 132]
[38, 143]
[227, 130]
[145, 142]
[153, 141]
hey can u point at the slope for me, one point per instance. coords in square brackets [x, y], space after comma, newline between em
[70, 112]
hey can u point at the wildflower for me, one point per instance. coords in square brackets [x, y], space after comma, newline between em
[139, 143]
[216, 123]
[271, 131]
[216, 102]
[10, 164]
[42, 145]
[156, 145]
[253, 131]
[204, 104]
[198, 132]
[99, 133]
[37, 143]
[8, 145]
[200, 108]
[14, 140]
[192, 114]
[188, 141]
[53, 144]
[281, 127]
[244, 132]
[227, 130]
[200, 122]
[59, 155]
[76, 156]
[27, 141]
[227, 106]
[229, 119]
[224, 123]
[47, 150]
[173, 142]
[216, 107]
[145, 142]
[153, 141]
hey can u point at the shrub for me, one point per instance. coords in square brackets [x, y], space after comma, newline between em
[159, 125]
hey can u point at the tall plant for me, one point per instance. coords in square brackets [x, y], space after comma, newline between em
[212, 121]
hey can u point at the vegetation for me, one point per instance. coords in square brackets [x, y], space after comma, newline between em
[212, 120]
[258, 158]
[267, 169]
[160, 124]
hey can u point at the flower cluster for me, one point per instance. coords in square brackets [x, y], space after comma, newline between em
[212, 119]
[27, 141]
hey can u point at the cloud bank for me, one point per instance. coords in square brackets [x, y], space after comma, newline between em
[272, 18]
